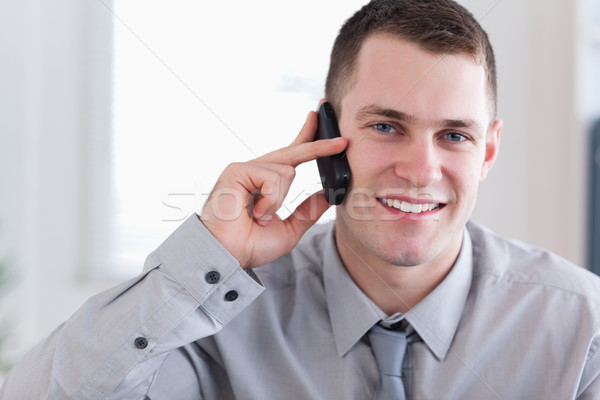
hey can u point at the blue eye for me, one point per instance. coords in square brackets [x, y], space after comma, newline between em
[455, 137]
[385, 128]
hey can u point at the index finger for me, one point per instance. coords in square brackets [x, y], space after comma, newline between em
[295, 155]
[308, 130]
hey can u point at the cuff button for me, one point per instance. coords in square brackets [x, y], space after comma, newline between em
[141, 343]
[212, 277]
[232, 295]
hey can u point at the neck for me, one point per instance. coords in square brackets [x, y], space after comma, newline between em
[394, 288]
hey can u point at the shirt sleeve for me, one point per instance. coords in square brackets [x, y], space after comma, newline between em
[589, 388]
[114, 344]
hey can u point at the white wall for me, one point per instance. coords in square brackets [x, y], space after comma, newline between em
[50, 113]
[537, 191]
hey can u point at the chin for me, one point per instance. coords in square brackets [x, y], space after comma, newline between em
[403, 256]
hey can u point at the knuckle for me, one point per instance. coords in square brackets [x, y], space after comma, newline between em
[272, 175]
[289, 171]
[231, 167]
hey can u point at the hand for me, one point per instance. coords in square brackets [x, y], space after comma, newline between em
[241, 210]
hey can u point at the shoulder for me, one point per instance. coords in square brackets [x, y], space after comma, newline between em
[516, 262]
[305, 260]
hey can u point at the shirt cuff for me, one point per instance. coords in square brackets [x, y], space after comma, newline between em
[206, 270]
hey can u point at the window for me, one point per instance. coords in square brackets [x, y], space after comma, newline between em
[198, 85]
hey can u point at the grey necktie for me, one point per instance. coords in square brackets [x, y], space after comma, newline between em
[389, 347]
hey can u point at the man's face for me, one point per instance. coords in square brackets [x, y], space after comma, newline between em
[417, 124]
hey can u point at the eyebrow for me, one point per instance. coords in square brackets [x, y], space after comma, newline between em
[375, 110]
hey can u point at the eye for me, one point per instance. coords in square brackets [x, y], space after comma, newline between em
[385, 128]
[455, 137]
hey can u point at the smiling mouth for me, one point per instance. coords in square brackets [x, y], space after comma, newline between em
[407, 207]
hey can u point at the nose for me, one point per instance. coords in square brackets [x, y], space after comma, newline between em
[419, 163]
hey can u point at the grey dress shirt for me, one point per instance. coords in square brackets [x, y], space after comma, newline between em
[508, 322]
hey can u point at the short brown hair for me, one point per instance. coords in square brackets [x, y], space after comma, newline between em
[438, 26]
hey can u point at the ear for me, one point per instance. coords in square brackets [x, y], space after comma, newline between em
[323, 100]
[492, 144]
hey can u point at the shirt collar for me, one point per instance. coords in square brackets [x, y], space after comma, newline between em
[435, 318]
[351, 312]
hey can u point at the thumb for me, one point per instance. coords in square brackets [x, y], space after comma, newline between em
[307, 214]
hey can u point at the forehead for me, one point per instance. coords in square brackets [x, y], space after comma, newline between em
[397, 74]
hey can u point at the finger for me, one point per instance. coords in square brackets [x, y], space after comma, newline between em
[301, 153]
[308, 130]
[243, 185]
[272, 194]
[307, 214]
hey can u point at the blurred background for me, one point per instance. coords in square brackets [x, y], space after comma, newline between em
[117, 116]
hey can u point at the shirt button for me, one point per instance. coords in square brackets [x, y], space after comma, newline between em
[212, 277]
[232, 295]
[141, 343]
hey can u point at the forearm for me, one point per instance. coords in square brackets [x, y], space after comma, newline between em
[171, 304]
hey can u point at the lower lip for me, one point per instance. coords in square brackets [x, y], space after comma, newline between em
[407, 216]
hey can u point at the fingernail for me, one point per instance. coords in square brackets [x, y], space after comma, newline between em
[263, 222]
[264, 219]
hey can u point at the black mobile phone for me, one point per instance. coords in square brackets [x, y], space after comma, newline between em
[334, 170]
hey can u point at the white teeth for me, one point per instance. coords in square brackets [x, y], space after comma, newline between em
[407, 207]
[415, 208]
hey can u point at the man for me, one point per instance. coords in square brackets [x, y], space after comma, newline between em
[413, 85]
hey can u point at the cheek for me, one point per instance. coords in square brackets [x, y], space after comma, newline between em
[371, 155]
[367, 158]
[464, 174]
